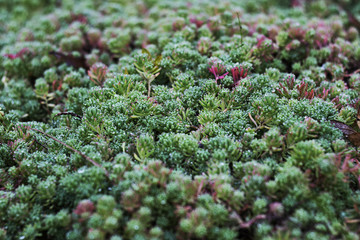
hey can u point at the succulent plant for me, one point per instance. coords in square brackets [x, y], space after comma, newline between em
[175, 120]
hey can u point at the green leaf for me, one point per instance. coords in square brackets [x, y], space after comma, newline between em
[158, 59]
[144, 50]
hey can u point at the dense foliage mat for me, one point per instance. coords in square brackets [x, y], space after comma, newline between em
[175, 120]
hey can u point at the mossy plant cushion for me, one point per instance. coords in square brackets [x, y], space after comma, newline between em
[158, 119]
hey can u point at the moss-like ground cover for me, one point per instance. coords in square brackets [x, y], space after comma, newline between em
[157, 119]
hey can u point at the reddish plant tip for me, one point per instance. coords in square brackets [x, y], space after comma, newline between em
[19, 54]
[215, 71]
[196, 21]
[276, 208]
[238, 73]
[85, 206]
[97, 73]
[260, 40]
[79, 18]
[218, 69]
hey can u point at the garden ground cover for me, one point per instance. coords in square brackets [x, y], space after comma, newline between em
[161, 119]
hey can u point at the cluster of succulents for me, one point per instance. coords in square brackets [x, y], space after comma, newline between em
[159, 119]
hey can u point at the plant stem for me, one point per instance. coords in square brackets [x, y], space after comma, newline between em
[72, 149]
[149, 88]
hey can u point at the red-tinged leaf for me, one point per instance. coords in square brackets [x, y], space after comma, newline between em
[279, 91]
[18, 54]
[222, 76]
[10, 56]
[311, 94]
